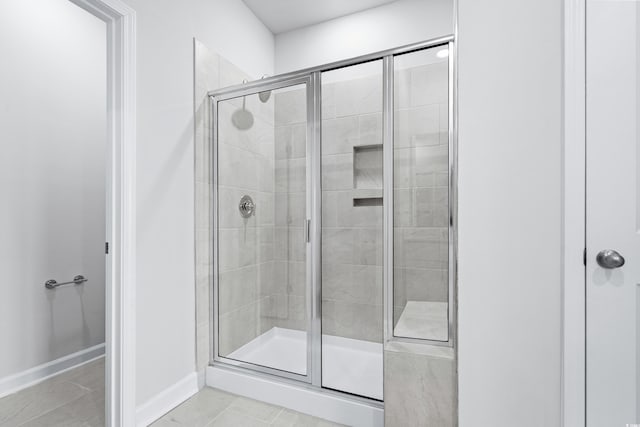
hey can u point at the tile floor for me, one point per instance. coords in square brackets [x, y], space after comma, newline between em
[72, 399]
[76, 399]
[211, 407]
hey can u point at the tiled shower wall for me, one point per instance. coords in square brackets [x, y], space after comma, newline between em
[262, 259]
[352, 240]
[285, 300]
[246, 245]
[352, 250]
[419, 379]
[352, 235]
[421, 144]
[206, 76]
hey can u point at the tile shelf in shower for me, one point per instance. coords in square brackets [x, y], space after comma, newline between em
[367, 201]
[367, 175]
[367, 197]
[367, 167]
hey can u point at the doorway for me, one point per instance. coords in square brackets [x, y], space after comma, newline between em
[118, 169]
[612, 213]
[54, 178]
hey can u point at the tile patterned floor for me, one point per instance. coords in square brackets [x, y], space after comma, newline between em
[72, 399]
[211, 407]
[76, 399]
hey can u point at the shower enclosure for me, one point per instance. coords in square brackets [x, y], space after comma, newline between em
[333, 218]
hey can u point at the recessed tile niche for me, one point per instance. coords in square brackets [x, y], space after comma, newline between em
[367, 175]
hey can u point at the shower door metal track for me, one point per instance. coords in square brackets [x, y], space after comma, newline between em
[264, 84]
[311, 77]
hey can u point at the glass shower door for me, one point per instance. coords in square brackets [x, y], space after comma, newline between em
[352, 234]
[261, 261]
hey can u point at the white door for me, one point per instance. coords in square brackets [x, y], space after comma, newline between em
[612, 213]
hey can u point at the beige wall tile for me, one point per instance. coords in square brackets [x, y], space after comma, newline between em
[402, 88]
[340, 135]
[337, 172]
[419, 390]
[429, 85]
[359, 96]
[238, 327]
[417, 127]
[290, 141]
[352, 320]
[352, 283]
[237, 248]
[418, 284]
[421, 248]
[237, 287]
[290, 107]
[290, 175]
[370, 127]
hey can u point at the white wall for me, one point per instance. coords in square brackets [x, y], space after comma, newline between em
[510, 137]
[52, 176]
[509, 203]
[165, 192]
[395, 24]
[230, 29]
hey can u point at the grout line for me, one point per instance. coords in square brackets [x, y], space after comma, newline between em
[277, 416]
[80, 385]
[244, 189]
[230, 407]
[57, 407]
[235, 397]
[237, 269]
[217, 416]
[244, 306]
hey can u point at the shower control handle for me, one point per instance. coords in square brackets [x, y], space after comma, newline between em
[246, 206]
[609, 259]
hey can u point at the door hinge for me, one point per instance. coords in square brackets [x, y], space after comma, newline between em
[106, 247]
[584, 257]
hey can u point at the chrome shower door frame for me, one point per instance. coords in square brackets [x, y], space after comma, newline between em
[236, 92]
[312, 78]
[389, 200]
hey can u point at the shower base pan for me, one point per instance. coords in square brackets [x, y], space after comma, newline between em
[348, 365]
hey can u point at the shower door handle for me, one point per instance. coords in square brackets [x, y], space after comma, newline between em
[307, 230]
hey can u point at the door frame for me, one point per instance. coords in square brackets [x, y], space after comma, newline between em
[120, 19]
[574, 217]
[312, 207]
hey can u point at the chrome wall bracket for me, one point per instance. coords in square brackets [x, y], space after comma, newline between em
[52, 283]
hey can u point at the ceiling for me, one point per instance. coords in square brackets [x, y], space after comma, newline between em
[286, 15]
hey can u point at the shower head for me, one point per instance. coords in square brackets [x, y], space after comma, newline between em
[242, 119]
[264, 96]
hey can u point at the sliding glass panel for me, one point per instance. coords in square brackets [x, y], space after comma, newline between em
[262, 250]
[352, 247]
[421, 195]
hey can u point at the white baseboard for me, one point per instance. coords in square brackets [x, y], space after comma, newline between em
[24, 379]
[165, 401]
[202, 379]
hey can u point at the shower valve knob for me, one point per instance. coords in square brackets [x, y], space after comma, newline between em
[246, 206]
